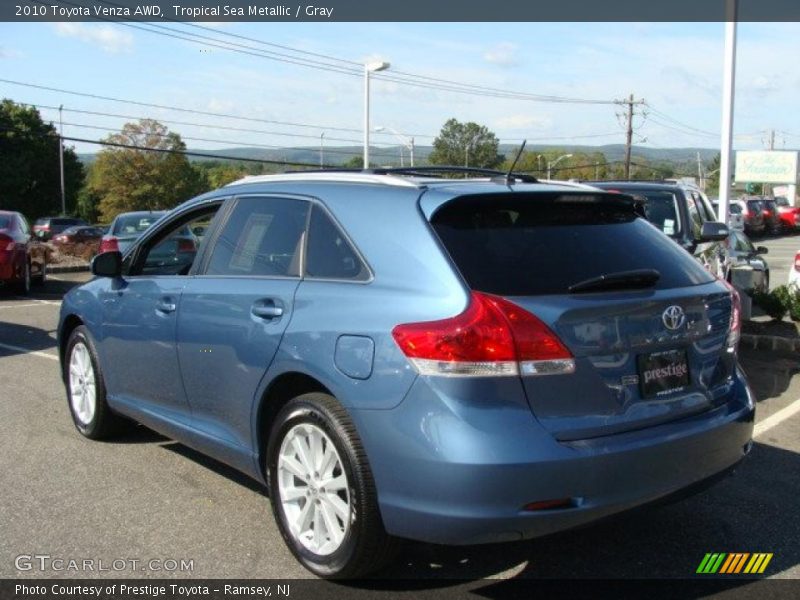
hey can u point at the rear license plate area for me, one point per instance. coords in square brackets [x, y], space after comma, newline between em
[661, 373]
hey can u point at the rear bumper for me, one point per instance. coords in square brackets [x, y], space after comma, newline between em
[455, 474]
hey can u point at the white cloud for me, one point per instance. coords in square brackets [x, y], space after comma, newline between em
[110, 38]
[503, 54]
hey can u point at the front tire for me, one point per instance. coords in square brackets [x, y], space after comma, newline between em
[322, 490]
[86, 390]
[24, 285]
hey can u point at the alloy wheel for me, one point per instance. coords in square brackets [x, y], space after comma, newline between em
[82, 386]
[313, 488]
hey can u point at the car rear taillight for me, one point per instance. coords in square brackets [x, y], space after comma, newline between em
[109, 244]
[186, 246]
[797, 262]
[492, 337]
[735, 330]
[6, 243]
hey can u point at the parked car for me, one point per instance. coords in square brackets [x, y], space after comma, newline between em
[789, 215]
[772, 219]
[747, 259]
[47, 227]
[456, 361]
[754, 224]
[683, 213]
[79, 234]
[735, 216]
[126, 229]
[23, 260]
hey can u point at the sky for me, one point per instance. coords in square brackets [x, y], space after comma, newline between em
[676, 68]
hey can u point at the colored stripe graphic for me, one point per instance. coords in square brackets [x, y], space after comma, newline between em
[734, 562]
[711, 562]
[758, 563]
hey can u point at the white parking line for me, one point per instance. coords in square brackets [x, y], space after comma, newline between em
[28, 351]
[780, 416]
[29, 304]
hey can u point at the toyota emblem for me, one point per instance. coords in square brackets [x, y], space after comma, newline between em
[673, 317]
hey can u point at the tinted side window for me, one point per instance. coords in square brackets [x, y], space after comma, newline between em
[263, 238]
[328, 253]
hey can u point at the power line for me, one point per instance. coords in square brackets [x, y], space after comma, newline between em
[186, 110]
[167, 150]
[347, 67]
[230, 142]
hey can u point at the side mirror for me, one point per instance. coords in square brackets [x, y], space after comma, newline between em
[762, 250]
[713, 231]
[107, 264]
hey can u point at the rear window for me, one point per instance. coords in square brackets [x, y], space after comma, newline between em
[5, 223]
[525, 245]
[754, 205]
[735, 209]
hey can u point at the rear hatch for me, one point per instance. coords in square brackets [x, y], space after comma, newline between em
[647, 326]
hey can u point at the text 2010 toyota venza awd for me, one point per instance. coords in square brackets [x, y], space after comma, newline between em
[454, 361]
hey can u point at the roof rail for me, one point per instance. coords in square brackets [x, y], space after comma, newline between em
[433, 170]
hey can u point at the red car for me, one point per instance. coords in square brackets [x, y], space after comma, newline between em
[22, 259]
[789, 215]
[79, 234]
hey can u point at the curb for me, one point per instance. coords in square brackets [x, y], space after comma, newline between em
[73, 269]
[770, 342]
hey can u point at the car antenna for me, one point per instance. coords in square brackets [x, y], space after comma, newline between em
[508, 177]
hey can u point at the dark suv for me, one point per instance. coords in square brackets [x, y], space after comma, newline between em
[683, 213]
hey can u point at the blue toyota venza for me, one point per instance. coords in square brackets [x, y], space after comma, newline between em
[457, 361]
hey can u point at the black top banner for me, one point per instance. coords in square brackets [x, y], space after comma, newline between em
[403, 10]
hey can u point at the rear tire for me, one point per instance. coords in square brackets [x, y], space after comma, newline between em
[335, 532]
[41, 279]
[86, 389]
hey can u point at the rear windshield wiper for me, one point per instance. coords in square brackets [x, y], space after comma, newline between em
[623, 280]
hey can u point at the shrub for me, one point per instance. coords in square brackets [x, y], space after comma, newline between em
[774, 303]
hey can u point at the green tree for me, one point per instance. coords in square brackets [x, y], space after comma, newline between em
[30, 181]
[157, 176]
[467, 144]
[712, 180]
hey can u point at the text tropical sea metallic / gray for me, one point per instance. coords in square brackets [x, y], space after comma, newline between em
[252, 10]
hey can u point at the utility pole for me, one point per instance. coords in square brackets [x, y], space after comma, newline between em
[321, 150]
[629, 138]
[630, 112]
[61, 158]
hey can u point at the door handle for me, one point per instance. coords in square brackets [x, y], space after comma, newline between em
[166, 305]
[268, 310]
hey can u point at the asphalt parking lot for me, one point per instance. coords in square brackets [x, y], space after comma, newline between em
[145, 497]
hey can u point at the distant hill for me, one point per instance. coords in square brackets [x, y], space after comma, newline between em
[391, 154]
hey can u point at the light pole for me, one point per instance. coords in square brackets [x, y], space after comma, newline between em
[61, 158]
[321, 149]
[550, 165]
[467, 147]
[370, 67]
[407, 142]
